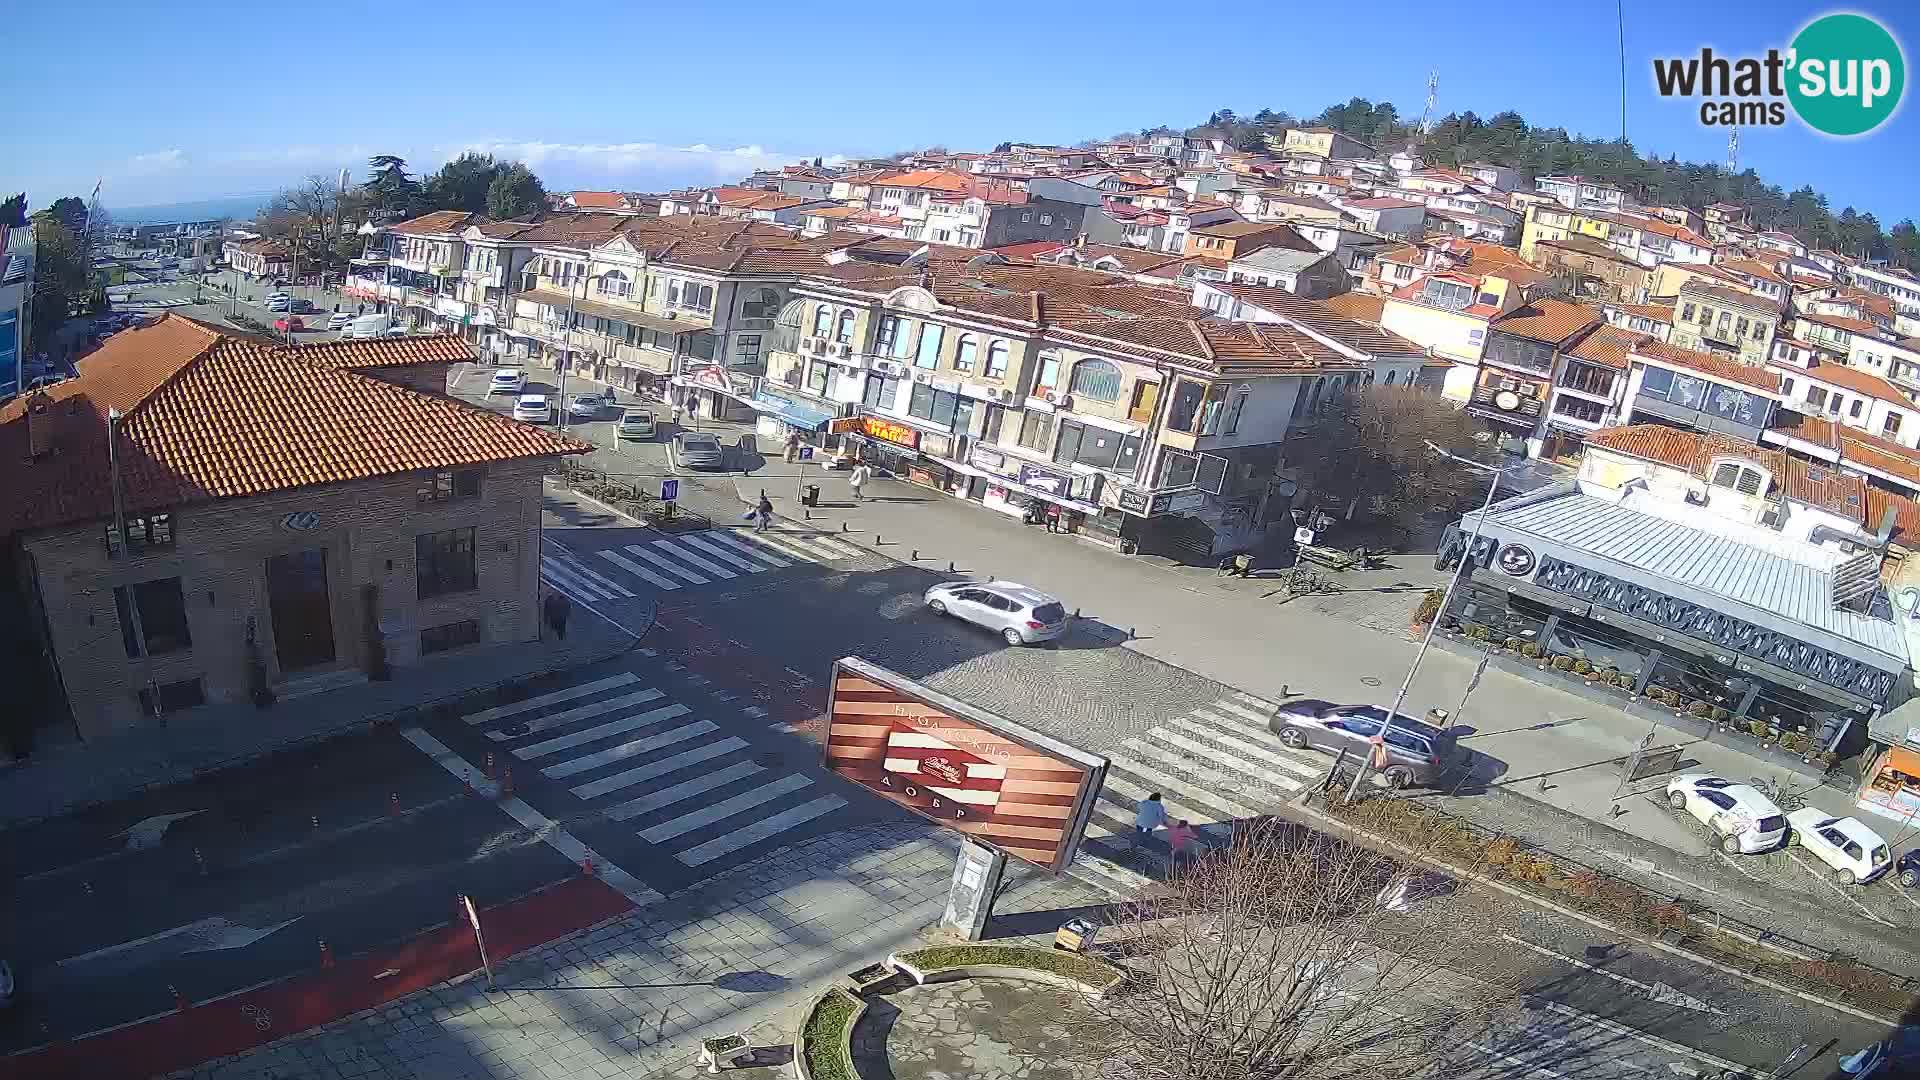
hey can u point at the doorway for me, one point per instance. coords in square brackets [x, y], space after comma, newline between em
[302, 613]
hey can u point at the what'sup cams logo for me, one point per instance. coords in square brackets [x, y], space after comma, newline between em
[1843, 75]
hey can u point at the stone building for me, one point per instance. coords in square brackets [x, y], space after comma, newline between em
[204, 518]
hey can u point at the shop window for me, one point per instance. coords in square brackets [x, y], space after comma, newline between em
[843, 330]
[1183, 412]
[162, 624]
[1036, 431]
[444, 563]
[1177, 469]
[822, 318]
[455, 635]
[881, 392]
[937, 406]
[1146, 395]
[448, 485]
[927, 354]
[817, 377]
[997, 360]
[963, 353]
[171, 697]
[1096, 379]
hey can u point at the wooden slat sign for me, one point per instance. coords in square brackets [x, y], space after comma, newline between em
[971, 773]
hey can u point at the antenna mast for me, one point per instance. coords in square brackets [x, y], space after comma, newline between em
[1733, 151]
[1427, 118]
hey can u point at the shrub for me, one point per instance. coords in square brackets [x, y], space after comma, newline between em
[1512, 644]
[1581, 667]
[1502, 851]
[1563, 663]
[1792, 743]
[1720, 715]
[1534, 650]
[1700, 709]
[1429, 608]
[1757, 728]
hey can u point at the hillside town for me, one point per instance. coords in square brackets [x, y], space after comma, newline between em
[1623, 499]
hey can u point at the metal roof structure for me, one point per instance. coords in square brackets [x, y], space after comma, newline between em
[1768, 583]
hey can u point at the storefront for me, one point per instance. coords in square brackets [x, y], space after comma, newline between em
[886, 446]
[1892, 786]
[712, 391]
[782, 416]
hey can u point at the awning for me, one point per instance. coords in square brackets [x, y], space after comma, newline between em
[792, 413]
[679, 325]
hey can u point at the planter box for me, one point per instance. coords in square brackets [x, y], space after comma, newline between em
[800, 1067]
[1002, 971]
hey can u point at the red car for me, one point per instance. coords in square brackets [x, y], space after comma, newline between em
[288, 323]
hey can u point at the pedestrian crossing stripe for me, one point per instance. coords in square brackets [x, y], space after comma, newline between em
[718, 552]
[671, 564]
[500, 712]
[639, 571]
[725, 808]
[784, 543]
[608, 730]
[654, 769]
[668, 565]
[753, 833]
[584, 712]
[743, 546]
[695, 558]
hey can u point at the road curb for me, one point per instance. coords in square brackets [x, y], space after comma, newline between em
[1335, 824]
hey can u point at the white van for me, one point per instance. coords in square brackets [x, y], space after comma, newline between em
[369, 326]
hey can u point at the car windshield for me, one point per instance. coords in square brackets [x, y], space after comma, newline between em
[1049, 613]
[700, 442]
[638, 417]
[1771, 823]
[587, 399]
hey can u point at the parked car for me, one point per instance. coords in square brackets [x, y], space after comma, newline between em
[286, 324]
[279, 301]
[1855, 853]
[586, 406]
[1416, 752]
[507, 381]
[1740, 815]
[1021, 615]
[302, 307]
[340, 320]
[533, 408]
[697, 450]
[635, 424]
[369, 326]
[1908, 868]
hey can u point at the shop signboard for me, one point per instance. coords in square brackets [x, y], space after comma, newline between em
[987, 458]
[975, 772]
[841, 425]
[1135, 502]
[888, 431]
[1045, 481]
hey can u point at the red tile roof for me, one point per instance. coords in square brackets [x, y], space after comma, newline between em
[1364, 307]
[436, 223]
[1706, 363]
[598, 200]
[1549, 321]
[206, 415]
[1609, 346]
[1858, 381]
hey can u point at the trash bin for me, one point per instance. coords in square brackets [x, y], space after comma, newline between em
[812, 497]
[1075, 935]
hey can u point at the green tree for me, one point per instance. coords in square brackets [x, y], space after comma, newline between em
[390, 193]
[461, 184]
[71, 212]
[514, 193]
[13, 212]
[62, 281]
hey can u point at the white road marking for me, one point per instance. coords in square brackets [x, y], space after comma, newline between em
[760, 830]
[584, 712]
[724, 809]
[639, 571]
[207, 935]
[580, 592]
[1285, 783]
[1654, 1041]
[763, 553]
[652, 769]
[148, 832]
[667, 565]
[602, 731]
[718, 552]
[599, 581]
[695, 558]
[1146, 772]
[821, 540]
[630, 749]
[1258, 720]
[667, 796]
[772, 540]
[1658, 992]
[543, 827]
[567, 694]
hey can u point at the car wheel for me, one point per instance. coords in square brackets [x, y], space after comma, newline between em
[1398, 777]
[1293, 738]
[1730, 845]
[938, 607]
[1677, 800]
[1910, 878]
[1846, 877]
[1793, 838]
[1013, 636]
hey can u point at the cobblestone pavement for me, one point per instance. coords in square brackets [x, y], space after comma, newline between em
[741, 953]
[984, 1029]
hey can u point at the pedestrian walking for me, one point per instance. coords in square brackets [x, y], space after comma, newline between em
[557, 610]
[763, 513]
[793, 447]
[359, 309]
[1149, 815]
[857, 479]
[1180, 836]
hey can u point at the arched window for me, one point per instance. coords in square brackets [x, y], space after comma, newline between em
[822, 318]
[761, 304]
[786, 329]
[963, 353]
[1096, 379]
[997, 360]
[843, 330]
[1391, 375]
[615, 283]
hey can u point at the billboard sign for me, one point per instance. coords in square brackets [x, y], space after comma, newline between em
[976, 772]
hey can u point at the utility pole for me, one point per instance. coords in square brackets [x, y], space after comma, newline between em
[1733, 151]
[566, 339]
[1479, 522]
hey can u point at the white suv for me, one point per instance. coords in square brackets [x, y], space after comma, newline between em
[507, 381]
[1742, 816]
[1017, 613]
[1854, 852]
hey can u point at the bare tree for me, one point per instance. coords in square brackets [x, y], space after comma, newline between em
[1366, 449]
[306, 216]
[1292, 955]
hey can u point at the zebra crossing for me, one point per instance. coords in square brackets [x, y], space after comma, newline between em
[1214, 764]
[677, 780]
[685, 560]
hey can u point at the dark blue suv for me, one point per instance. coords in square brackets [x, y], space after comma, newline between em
[1907, 869]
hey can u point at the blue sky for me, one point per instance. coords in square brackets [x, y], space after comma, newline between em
[203, 98]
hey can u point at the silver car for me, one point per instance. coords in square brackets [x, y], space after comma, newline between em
[1017, 613]
[698, 450]
[1416, 752]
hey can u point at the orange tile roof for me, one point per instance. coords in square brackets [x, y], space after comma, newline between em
[1365, 307]
[440, 221]
[1906, 513]
[1550, 321]
[598, 200]
[1662, 313]
[931, 179]
[1707, 363]
[207, 415]
[1884, 455]
[1609, 346]
[1858, 381]
[1842, 322]
[1682, 449]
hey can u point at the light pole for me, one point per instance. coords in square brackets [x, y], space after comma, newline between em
[566, 342]
[1413, 669]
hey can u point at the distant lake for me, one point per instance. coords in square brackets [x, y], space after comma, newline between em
[238, 207]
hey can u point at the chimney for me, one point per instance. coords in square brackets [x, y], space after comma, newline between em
[39, 426]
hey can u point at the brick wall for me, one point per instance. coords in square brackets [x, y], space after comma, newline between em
[367, 530]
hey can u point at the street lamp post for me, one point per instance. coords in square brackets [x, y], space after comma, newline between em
[566, 342]
[1413, 669]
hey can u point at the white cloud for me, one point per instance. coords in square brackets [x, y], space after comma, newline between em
[159, 161]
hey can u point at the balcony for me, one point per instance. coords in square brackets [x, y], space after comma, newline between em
[494, 278]
[1505, 406]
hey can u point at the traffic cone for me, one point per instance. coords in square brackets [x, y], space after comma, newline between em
[393, 804]
[489, 764]
[326, 955]
[586, 866]
[506, 783]
[179, 999]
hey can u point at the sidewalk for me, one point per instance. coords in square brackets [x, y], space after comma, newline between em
[62, 778]
[742, 952]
